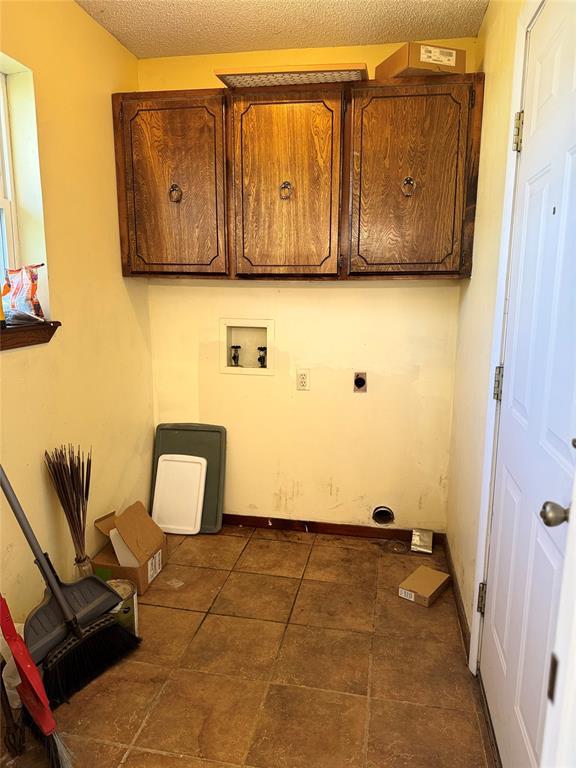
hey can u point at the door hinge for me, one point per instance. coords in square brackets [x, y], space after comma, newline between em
[472, 98]
[552, 675]
[481, 604]
[498, 379]
[518, 131]
[340, 261]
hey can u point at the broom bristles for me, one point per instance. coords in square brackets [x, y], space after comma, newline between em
[59, 756]
[86, 658]
[70, 471]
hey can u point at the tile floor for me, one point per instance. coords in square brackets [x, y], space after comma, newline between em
[273, 649]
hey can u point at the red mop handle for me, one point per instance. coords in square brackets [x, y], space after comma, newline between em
[31, 689]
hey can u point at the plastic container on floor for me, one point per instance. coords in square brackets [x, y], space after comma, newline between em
[179, 493]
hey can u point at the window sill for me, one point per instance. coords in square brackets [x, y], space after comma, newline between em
[17, 336]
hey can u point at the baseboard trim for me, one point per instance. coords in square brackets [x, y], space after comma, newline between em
[485, 712]
[464, 628]
[336, 529]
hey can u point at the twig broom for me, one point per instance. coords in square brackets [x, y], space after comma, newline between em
[70, 472]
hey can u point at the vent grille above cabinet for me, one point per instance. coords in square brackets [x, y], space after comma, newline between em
[292, 75]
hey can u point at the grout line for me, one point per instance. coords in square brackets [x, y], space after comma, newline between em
[146, 717]
[180, 754]
[273, 665]
[368, 705]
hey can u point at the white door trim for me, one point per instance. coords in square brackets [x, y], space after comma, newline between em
[527, 17]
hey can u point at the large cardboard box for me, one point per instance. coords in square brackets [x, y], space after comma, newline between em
[137, 549]
[422, 59]
[424, 585]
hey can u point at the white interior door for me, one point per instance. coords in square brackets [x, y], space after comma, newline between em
[535, 459]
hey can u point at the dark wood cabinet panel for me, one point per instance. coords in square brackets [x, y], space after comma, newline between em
[249, 183]
[172, 195]
[412, 160]
[287, 182]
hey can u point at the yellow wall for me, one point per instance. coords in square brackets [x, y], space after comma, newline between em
[198, 71]
[495, 57]
[327, 454]
[92, 384]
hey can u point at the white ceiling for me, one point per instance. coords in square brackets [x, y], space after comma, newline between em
[151, 28]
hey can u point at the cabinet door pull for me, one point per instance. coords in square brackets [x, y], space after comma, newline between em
[286, 190]
[175, 193]
[408, 186]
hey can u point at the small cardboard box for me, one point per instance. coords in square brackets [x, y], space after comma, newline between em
[424, 585]
[137, 549]
[422, 59]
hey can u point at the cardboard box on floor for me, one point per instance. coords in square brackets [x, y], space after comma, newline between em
[136, 550]
[424, 585]
[422, 59]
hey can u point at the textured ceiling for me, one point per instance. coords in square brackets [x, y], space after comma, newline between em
[151, 28]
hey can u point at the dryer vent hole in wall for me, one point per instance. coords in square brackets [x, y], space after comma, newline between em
[383, 516]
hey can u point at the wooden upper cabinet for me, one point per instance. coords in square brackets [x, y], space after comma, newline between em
[414, 169]
[171, 183]
[287, 182]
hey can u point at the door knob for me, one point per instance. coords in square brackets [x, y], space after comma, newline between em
[553, 514]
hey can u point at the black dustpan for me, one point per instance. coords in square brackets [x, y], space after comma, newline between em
[66, 608]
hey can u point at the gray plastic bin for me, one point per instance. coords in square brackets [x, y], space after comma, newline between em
[207, 441]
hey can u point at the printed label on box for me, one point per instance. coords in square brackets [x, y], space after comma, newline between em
[154, 566]
[434, 55]
[406, 593]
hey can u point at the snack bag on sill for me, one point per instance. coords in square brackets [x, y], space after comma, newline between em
[19, 299]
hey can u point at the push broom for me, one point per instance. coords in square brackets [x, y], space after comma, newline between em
[32, 693]
[71, 635]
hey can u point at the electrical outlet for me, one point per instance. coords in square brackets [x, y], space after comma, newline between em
[303, 379]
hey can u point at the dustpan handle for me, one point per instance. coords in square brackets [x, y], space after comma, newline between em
[47, 574]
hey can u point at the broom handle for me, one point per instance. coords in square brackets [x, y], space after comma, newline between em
[47, 574]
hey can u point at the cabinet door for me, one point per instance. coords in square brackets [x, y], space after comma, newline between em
[287, 183]
[409, 178]
[174, 185]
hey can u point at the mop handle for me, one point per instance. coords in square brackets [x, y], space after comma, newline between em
[50, 579]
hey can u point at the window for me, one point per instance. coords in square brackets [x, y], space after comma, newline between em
[26, 301]
[8, 223]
